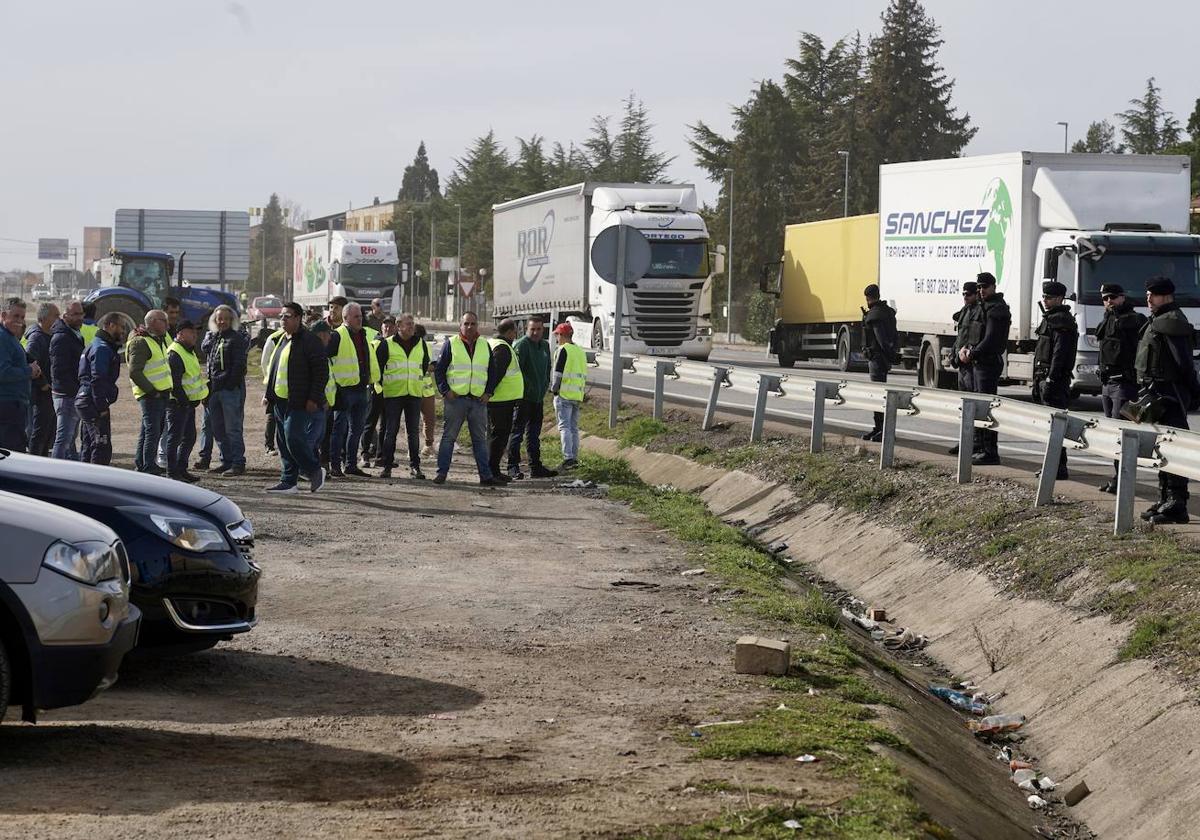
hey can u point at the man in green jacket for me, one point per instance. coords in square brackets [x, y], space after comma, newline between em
[533, 355]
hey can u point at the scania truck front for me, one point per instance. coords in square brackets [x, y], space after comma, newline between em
[357, 265]
[542, 266]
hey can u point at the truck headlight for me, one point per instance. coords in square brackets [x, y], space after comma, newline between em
[86, 562]
[192, 534]
[1091, 341]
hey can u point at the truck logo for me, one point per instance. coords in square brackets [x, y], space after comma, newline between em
[533, 250]
[999, 204]
[368, 249]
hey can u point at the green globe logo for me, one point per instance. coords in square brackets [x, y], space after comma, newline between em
[999, 202]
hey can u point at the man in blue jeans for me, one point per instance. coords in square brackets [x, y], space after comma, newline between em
[466, 379]
[66, 348]
[150, 375]
[296, 380]
[226, 349]
[16, 372]
[355, 370]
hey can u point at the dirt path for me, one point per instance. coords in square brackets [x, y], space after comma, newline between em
[431, 660]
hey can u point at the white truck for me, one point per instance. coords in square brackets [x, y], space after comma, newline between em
[58, 279]
[1026, 217]
[357, 265]
[542, 266]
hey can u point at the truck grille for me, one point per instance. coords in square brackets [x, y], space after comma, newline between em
[663, 318]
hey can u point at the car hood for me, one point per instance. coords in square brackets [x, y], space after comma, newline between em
[56, 480]
[20, 513]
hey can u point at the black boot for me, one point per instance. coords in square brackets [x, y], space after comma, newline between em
[1174, 512]
[1164, 497]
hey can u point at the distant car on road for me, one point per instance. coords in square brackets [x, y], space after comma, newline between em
[65, 618]
[262, 318]
[190, 549]
[43, 293]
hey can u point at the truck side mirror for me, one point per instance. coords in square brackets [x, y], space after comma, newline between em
[718, 260]
[772, 271]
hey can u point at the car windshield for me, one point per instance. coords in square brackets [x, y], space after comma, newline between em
[1132, 269]
[147, 276]
[267, 303]
[369, 274]
[678, 259]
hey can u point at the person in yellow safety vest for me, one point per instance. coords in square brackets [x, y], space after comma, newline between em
[373, 428]
[508, 394]
[567, 384]
[404, 360]
[428, 395]
[355, 370]
[189, 387]
[268, 352]
[89, 328]
[466, 380]
[150, 375]
[296, 390]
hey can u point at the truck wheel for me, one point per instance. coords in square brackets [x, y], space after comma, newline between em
[930, 373]
[786, 359]
[843, 351]
[597, 336]
[132, 311]
[5, 680]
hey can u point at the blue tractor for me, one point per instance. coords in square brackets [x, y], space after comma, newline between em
[141, 280]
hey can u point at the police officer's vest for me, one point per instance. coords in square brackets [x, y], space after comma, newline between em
[345, 363]
[274, 339]
[1155, 361]
[970, 325]
[468, 374]
[402, 376]
[195, 386]
[88, 331]
[156, 370]
[512, 386]
[574, 375]
[1117, 336]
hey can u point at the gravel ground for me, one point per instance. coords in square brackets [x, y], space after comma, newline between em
[432, 661]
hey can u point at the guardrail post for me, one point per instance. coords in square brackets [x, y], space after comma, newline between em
[966, 439]
[1126, 481]
[710, 410]
[887, 452]
[661, 368]
[820, 394]
[1054, 446]
[766, 382]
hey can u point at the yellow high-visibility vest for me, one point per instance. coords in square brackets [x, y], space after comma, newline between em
[156, 370]
[194, 383]
[345, 363]
[468, 374]
[402, 374]
[574, 375]
[512, 386]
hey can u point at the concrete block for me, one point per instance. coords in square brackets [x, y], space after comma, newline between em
[755, 655]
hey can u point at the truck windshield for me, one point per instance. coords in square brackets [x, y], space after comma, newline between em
[1131, 269]
[369, 274]
[678, 259]
[147, 276]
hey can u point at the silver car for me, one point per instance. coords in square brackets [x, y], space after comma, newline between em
[65, 617]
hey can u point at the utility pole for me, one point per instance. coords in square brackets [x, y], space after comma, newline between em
[728, 268]
[1066, 136]
[411, 294]
[845, 184]
[458, 255]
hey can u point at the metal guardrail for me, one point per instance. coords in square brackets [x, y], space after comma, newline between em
[1160, 448]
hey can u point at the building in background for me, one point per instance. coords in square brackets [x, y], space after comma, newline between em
[96, 242]
[376, 217]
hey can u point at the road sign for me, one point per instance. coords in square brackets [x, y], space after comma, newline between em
[606, 252]
[467, 287]
[53, 249]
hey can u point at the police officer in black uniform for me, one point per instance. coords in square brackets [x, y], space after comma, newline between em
[1117, 336]
[1054, 355]
[987, 356]
[1169, 386]
[969, 322]
[882, 341]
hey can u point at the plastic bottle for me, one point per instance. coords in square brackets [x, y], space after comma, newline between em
[958, 700]
[994, 724]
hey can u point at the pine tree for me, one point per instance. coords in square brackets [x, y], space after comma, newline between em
[1100, 139]
[1147, 127]
[566, 166]
[600, 151]
[274, 236]
[420, 181]
[482, 177]
[629, 156]
[531, 171]
[907, 108]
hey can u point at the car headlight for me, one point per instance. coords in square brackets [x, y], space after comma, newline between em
[86, 562]
[192, 534]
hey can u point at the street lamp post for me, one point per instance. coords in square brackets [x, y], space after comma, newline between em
[458, 253]
[412, 260]
[1066, 129]
[728, 268]
[845, 183]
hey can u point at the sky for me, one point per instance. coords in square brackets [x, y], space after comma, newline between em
[215, 104]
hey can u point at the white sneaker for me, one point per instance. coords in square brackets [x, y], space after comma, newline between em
[282, 489]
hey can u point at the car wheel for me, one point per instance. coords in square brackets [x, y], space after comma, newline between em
[5, 680]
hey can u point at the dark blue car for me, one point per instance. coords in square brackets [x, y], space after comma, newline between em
[190, 549]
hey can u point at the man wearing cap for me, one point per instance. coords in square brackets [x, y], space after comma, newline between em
[987, 357]
[881, 345]
[466, 380]
[567, 384]
[969, 324]
[1054, 354]
[1117, 336]
[189, 387]
[1167, 378]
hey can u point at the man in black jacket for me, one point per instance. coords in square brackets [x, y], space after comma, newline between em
[37, 349]
[1054, 354]
[99, 370]
[66, 346]
[969, 326]
[295, 389]
[1169, 387]
[881, 344]
[988, 358]
[225, 350]
[1117, 336]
